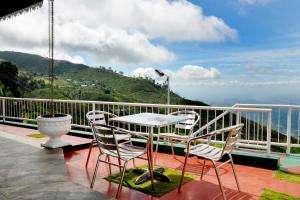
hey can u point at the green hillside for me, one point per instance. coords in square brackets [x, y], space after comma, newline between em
[78, 81]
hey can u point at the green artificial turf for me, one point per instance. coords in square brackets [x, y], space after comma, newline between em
[160, 188]
[271, 195]
[218, 146]
[37, 135]
[294, 178]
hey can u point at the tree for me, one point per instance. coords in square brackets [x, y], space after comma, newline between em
[8, 75]
[1, 89]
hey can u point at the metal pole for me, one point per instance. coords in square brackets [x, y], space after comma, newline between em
[51, 54]
[269, 132]
[168, 95]
[168, 82]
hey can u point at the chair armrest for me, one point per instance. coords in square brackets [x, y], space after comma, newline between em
[214, 133]
[208, 136]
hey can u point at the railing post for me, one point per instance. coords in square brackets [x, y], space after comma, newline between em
[3, 110]
[269, 132]
[289, 130]
[237, 120]
[94, 109]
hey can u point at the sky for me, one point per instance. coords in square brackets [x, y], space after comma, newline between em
[221, 52]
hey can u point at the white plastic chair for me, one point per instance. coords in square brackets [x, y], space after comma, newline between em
[99, 117]
[214, 154]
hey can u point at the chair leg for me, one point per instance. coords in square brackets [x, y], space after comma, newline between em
[122, 179]
[172, 148]
[109, 165]
[219, 180]
[183, 170]
[88, 157]
[133, 161]
[202, 172]
[119, 160]
[95, 172]
[235, 175]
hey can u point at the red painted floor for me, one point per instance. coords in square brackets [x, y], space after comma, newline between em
[294, 170]
[24, 132]
[252, 180]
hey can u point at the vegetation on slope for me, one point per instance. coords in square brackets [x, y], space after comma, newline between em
[15, 83]
[78, 81]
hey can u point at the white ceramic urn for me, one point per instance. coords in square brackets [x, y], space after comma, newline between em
[54, 127]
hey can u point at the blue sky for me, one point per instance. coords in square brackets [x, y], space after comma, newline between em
[263, 60]
[218, 51]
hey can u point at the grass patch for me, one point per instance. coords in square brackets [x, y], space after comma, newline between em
[294, 178]
[161, 188]
[38, 135]
[271, 195]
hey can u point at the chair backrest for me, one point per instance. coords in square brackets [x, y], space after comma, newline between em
[106, 139]
[232, 137]
[188, 124]
[98, 117]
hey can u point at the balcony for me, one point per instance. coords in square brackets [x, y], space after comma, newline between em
[269, 142]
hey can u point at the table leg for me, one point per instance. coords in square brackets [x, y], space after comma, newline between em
[150, 156]
[151, 173]
[157, 143]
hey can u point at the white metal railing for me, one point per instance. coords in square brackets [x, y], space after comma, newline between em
[285, 124]
[257, 132]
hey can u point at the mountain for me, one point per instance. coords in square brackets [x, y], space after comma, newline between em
[78, 81]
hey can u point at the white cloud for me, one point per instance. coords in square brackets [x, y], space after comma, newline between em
[270, 54]
[177, 20]
[73, 59]
[145, 72]
[240, 83]
[244, 4]
[275, 62]
[112, 45]
[254, 2]
[185, 73]
[113, 31]
[194, 72]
